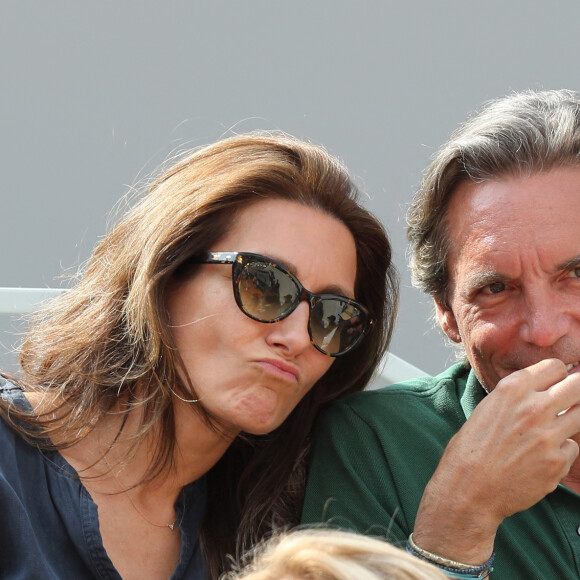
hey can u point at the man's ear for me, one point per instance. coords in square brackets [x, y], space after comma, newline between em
[447, 321]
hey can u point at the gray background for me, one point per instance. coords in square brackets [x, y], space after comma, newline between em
[96, 94]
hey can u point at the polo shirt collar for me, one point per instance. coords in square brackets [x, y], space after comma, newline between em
[472, 395]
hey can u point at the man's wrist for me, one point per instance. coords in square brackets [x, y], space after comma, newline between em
[452, 568]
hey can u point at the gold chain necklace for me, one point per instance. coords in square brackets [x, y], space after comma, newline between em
[171, 526]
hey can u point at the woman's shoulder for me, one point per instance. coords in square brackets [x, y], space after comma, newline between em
[13, 445]
[12, 393]
[12, 396]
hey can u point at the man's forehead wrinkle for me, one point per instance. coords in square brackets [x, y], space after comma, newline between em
[477, 225]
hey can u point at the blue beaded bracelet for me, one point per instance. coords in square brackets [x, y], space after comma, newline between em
[452, 569]
[460, 575]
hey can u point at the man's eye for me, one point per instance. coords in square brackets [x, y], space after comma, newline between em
[495, 288]
[575, 272]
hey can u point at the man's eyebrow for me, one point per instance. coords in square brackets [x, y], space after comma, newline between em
[484, 278]
[573, 262]
[481, 279]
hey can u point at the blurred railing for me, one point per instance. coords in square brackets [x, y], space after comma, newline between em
[22, 300]
[16, 301]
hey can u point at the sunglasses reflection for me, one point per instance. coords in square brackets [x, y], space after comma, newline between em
[268, 293]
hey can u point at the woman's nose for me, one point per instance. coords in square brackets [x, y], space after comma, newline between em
[291, 333]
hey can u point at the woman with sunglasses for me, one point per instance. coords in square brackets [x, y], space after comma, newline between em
[164, 412]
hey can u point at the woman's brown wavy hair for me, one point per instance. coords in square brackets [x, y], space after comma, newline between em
[108, 339]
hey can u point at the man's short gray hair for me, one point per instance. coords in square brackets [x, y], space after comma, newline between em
[520, 134]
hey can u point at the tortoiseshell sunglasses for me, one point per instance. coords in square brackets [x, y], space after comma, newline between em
[267, 292]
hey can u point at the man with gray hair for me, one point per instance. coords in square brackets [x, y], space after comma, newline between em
[481, 460]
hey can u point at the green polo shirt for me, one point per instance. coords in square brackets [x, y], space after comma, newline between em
[375, 451]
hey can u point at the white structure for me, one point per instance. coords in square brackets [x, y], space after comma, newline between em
[22, 300]
[16, 301]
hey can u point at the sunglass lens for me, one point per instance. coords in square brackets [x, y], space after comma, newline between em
[266, 293]
[336, 325]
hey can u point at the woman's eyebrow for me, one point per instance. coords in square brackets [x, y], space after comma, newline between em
[330, 289]
[334, 289]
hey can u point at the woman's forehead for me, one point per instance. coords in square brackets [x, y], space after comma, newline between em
[306, 240]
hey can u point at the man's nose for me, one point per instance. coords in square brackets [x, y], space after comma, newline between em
[544, 318]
